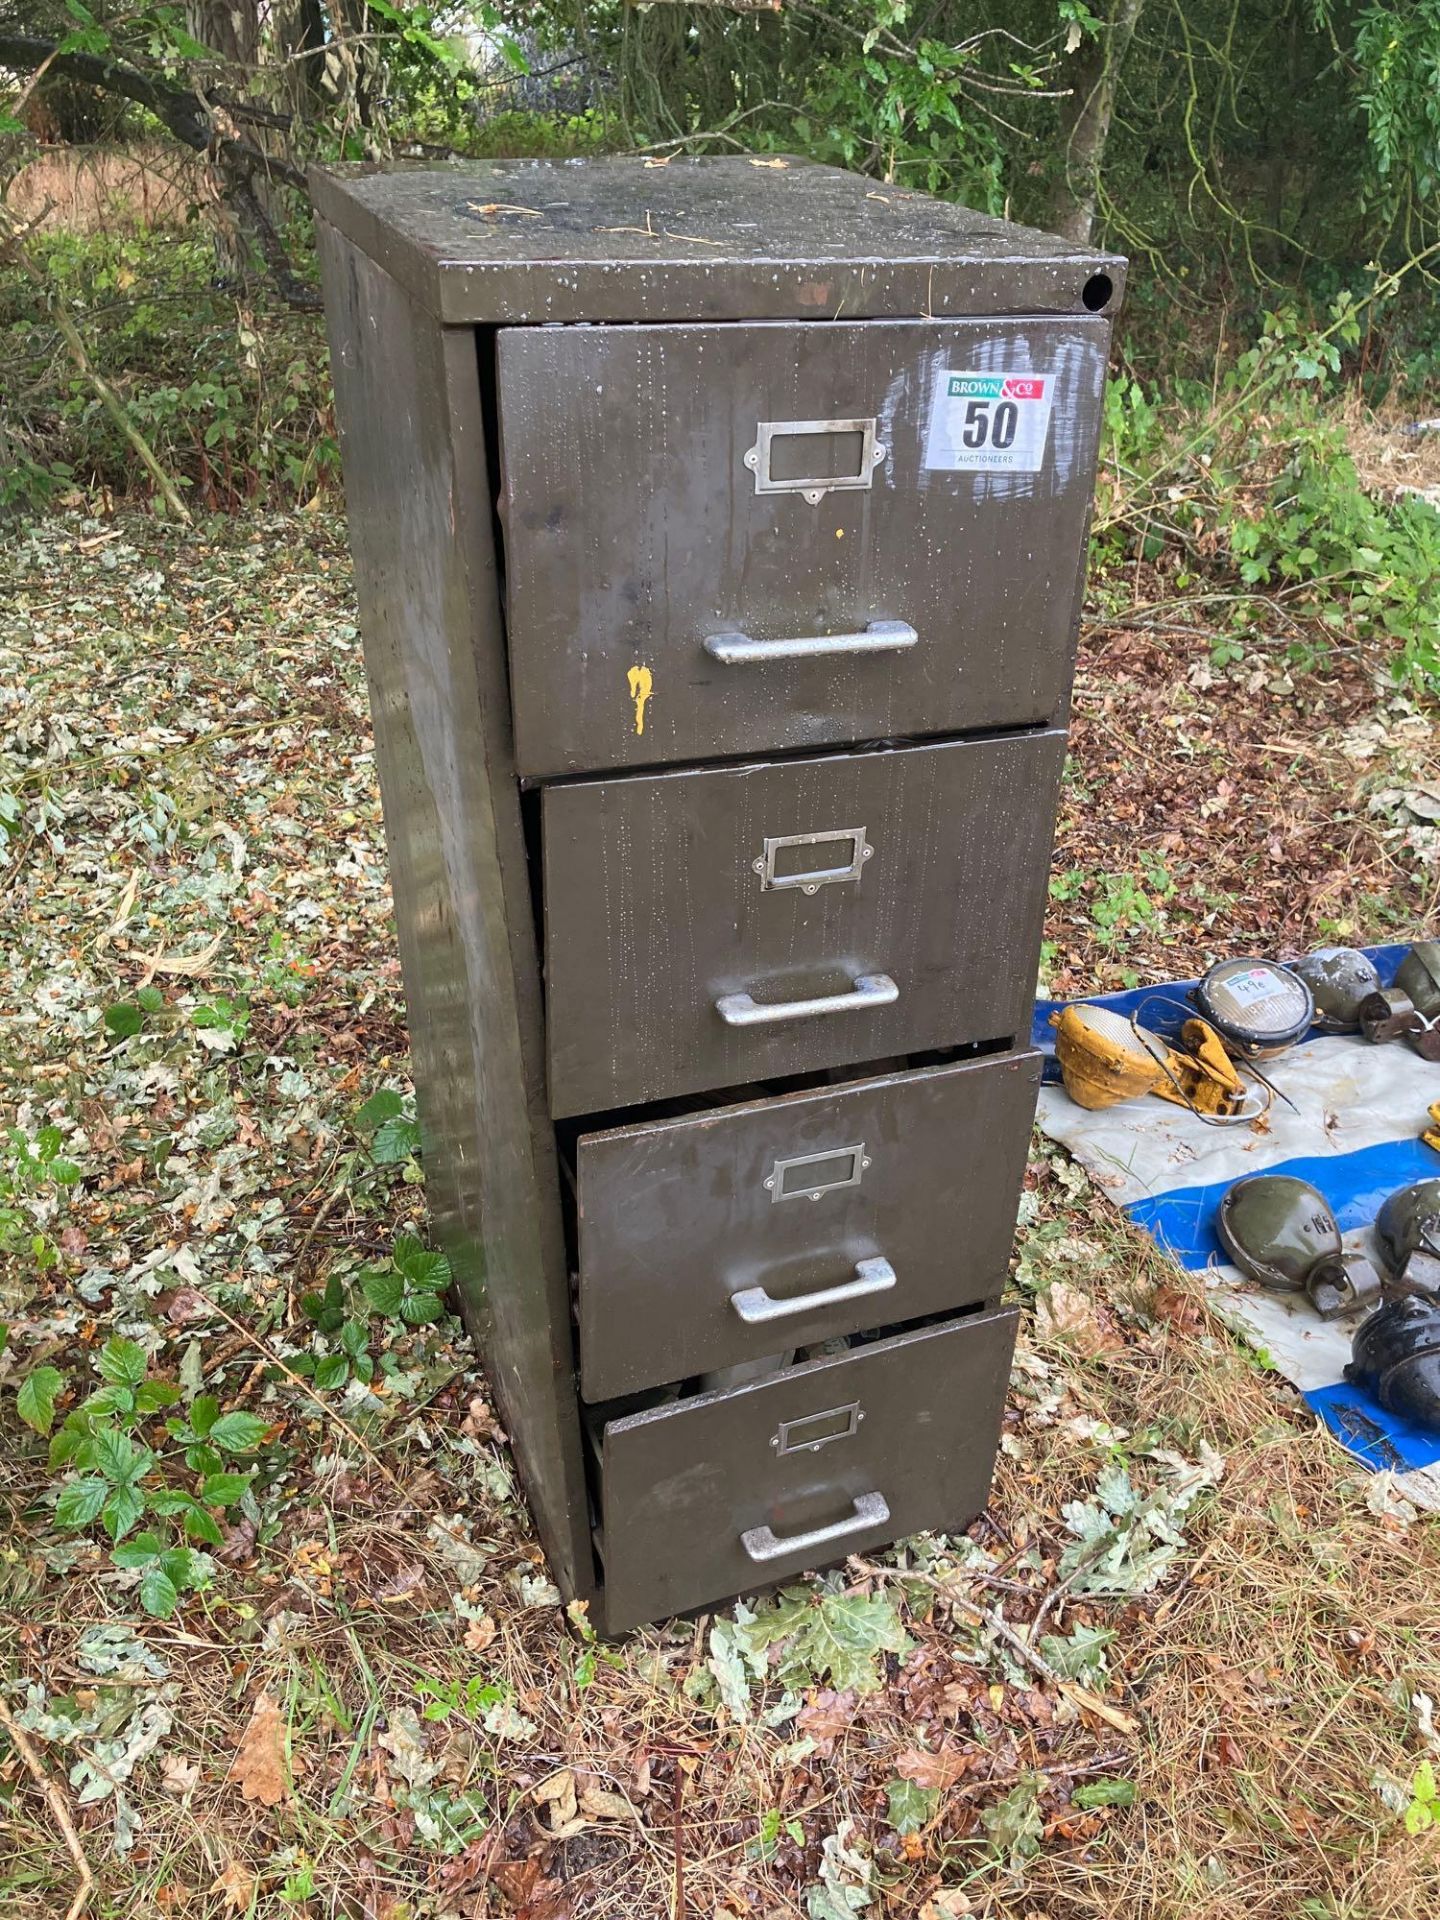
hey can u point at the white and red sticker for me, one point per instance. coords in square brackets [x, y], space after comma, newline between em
[989, 422]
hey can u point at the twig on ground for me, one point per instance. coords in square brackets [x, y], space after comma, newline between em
[1002, 1629]
[60, 1812]
[1059, 1590]
[680, 1906]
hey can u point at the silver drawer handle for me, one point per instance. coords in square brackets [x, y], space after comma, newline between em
[871, 1510]
[881, 636]
[756, 1308]
[869, 990]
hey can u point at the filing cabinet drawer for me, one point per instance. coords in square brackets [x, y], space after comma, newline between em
[728, 1235]
[730, 1491]
[737, 538]
[710, 928]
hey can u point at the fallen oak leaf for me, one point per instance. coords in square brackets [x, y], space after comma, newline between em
[551, 1900]
[259, 1768]
[1063, 1312]
[558, 1794]
[931, 1770]
[237, 1884]
[1179, 1309]
[179, 1776]
[600, 1803]
[826, 1718]
[479, 1634]
[516, 1880]
[471, 1866]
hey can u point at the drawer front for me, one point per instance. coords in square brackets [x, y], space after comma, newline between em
[668, 530]
[691, 918]
[727, 1236]
[731, 1491]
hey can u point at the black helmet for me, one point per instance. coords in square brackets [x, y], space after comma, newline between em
[1396, 1357]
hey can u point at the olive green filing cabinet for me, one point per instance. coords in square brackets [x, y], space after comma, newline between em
[718, 536]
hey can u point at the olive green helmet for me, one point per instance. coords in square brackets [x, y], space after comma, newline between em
[1339, 978]
[1280, 1231]
[1407, 1231]
[1418, 976]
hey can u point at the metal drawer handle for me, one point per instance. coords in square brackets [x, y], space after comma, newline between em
[756, 1308]
[869, 990]
[871, 1510]
[881, 636]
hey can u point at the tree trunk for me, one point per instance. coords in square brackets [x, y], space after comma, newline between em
[1085, 123]
[301, 28]
[230, 28]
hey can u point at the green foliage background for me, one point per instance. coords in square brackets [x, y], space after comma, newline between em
[1270, 166]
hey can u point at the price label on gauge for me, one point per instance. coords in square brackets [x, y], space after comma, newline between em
[989, 422]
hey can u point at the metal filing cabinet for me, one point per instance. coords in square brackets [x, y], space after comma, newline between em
[718, 532]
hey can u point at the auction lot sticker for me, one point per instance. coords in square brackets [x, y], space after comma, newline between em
[996, 422]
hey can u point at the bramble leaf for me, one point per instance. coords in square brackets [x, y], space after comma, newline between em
[35, 1402]
[80, 1501]
[158, 1595]
[237, 1432]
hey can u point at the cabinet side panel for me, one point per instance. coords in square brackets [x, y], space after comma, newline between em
[407, 396]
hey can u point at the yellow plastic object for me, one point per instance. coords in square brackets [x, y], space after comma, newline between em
[1430, 1137]
[1103, 1060]
[1205, 1077]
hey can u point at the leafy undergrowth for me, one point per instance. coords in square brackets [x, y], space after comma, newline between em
[275, 1623]
[155, 306]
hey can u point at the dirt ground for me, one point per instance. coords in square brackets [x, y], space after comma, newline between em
[1185, 1664]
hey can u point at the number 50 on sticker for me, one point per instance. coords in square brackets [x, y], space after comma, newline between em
[989, 422]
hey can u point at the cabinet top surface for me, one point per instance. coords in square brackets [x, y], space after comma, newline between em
[621, 238]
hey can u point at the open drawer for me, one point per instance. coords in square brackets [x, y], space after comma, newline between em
[719, 1237]
[716, 927]
[726, 1492]
[734, 538]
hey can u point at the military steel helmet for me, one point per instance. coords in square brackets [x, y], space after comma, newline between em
[1339, 979]
[1256, 1006]
[1280, 1231]
[1396, 1357]
[1418, 975]
[1407, 1230]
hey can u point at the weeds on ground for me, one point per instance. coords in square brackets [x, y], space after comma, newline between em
[1182, 1666]
[229, 386]
[1246, 494]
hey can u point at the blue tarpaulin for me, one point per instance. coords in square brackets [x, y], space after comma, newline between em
[1353, 1133]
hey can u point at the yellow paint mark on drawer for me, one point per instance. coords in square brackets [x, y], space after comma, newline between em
[641, 685]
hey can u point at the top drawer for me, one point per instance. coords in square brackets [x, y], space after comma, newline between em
[705, 525]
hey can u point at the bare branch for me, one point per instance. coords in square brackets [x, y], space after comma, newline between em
[12, 243]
